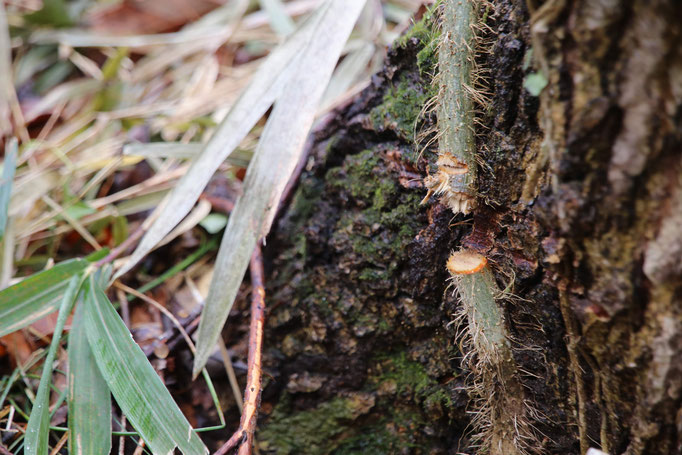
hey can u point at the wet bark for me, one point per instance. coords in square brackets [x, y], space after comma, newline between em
[579, 215]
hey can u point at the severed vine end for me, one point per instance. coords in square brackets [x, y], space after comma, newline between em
[452, 182]
[466, 262]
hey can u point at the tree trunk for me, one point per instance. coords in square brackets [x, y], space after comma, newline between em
[579, 214]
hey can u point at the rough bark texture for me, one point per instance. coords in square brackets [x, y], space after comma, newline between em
[579, 214]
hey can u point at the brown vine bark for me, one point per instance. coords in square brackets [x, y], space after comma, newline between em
[579, 214]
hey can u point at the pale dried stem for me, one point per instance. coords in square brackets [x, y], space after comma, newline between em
[247, 425]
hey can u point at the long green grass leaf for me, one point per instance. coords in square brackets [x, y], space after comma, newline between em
[8, 168]
[36, 296]
[267, 84]
[38, 428]
[132, 380]
[89, 398]
[276, 156]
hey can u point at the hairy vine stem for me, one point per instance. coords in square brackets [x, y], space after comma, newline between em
[502, 416]
[455, 179]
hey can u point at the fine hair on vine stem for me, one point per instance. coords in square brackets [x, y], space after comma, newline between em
[502, 417]
[461, 85]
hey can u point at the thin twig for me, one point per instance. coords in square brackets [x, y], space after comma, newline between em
[4, 451]
[140, 447]
[127, 243]
[247, 425]
[122, 439]
[231, 375]
[220, 204]
[125, 308]
[236, 439]
[227, 362]
[161, 308]
[60, 444]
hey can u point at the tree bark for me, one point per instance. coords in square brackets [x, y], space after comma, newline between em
[579, 214]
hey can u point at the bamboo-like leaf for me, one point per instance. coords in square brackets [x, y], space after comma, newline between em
[38, 428]
[276, 156]
[8, 169]
[89, 398]
[181, 151]
[36, 296]
[132, 380]
[267, 84]
[348, 73]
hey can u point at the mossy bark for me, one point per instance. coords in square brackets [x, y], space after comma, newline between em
[579, 214]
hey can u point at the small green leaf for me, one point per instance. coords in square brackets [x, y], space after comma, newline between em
[78, 210]
[38, 428]
[8, 168]
[53, 12]
[535, 83]
[55, 74]
[89, 398]
[214, 223]
[113, 64]
[119, 229]
[36, 296]
[132, 380]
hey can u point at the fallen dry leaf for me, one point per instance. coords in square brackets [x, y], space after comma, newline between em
[18, 346]
[149, 16]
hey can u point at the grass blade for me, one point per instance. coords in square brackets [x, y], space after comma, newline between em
[267, 84]
[36, 296]
[89, 397]
[181, 151]
[132, 380]
[279, 19]
[38, 428]
[8, 168]
[275, 159]
[5, 73]
[348, 73]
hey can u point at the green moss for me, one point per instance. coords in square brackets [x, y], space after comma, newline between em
[392, 434]
[313, 431]
[358, 175]
[333, 426]
[411, 378]
[400, 109]
[379, 232]
[358, 221]
[426, 34]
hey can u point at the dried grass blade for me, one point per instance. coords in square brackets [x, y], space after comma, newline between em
[276, 156]
[180, 151]
[279, 19]
[267, 84]
[5, 73]
[8, 169]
